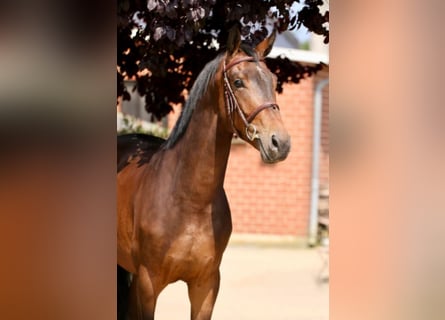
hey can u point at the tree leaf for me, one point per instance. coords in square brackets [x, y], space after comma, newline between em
[152, 4]
[159, 33]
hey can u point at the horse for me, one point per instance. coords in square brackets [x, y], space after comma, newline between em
[174, 220]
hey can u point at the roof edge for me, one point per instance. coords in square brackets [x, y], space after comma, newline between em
[299, 55]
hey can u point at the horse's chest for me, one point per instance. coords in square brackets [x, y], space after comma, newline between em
[191, 254]
[184, 245]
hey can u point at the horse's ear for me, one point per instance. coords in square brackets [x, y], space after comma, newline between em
[233, 40]
[265, 46]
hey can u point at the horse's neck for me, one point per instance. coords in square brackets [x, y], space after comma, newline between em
[203, 153]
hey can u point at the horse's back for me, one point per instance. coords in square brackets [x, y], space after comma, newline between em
[136, 144]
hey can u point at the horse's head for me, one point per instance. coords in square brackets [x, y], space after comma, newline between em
[249, 93]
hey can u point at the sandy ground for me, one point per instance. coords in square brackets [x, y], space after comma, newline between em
[261, 283]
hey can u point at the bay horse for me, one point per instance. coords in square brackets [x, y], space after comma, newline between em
[174, 220]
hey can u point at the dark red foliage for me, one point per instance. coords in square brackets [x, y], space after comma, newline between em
[176, 39]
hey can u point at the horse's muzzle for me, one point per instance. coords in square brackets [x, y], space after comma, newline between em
[274, 147]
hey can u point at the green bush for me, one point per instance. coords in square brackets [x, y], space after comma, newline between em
[128, 124]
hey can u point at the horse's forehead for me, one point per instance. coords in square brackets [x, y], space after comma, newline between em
[262, 72]
[254, 69]
[257, 71]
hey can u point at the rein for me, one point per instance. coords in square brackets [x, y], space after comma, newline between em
[232, 103]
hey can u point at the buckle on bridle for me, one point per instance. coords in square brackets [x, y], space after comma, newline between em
[251, 132]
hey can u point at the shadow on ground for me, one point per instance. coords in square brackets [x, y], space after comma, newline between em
[259, 283]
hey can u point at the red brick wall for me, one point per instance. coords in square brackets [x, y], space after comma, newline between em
[324, 150]
[273, 199]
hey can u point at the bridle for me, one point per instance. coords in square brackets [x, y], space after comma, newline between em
[232, 103]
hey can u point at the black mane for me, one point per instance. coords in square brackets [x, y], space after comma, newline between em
[198, 90]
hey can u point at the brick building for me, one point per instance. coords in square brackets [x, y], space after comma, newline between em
[275, 199]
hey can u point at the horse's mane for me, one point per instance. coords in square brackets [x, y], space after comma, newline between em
[199, 88]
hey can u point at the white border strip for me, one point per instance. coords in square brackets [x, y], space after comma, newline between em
[299, 55]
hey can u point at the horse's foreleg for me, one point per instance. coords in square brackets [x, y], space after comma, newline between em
[144, 294]
[202, 294]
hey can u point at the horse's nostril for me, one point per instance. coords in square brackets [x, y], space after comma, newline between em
[275, 141]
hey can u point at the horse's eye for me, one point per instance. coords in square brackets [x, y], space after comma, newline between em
[238, 83]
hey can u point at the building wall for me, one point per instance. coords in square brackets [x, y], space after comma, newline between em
[273, 199]
[324, 150]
